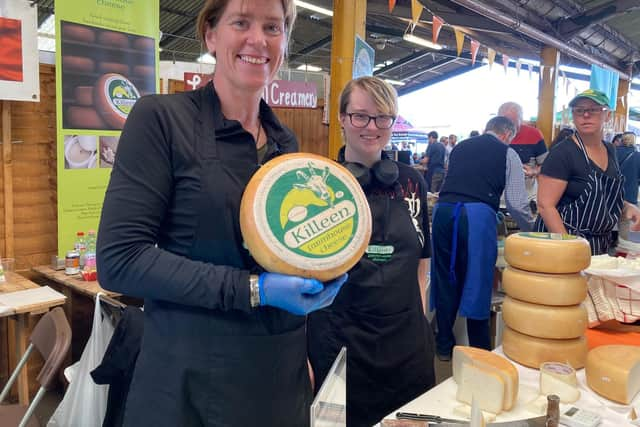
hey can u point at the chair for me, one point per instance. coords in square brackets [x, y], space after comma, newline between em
[52, 338]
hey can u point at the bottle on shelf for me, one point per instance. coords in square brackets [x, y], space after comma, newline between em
[89, 269]
[80, 246]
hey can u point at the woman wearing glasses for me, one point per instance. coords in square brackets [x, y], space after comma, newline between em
[580, 187]
[379, 314]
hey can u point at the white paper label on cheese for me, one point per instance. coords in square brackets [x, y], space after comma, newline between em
[308, 214]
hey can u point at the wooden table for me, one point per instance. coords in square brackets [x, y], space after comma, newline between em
[20, 315]
[73, 282]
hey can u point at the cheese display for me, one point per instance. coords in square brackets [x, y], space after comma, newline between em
[82, 117]
[544, 321]
[559, 379]
[533, 351]
[548, 289]
[306, 215]
[483, 385]
[84, 95]
[76, 63]
[114, 39]
[613, 371]
[491, 362]
[464, 411]
[547, 252]
[78, 33]
[114, 96]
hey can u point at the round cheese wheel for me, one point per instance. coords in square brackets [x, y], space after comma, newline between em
[83, 118]
[113, 39]
[144, 43]
[548, 289]
[144, 70]
[113, 67]
[533, 351]
[305, 215]
[114, 96]
[547, 252]
[613, 371]
[544, 321]
[79, 33]
[84, 95]
[80, 64]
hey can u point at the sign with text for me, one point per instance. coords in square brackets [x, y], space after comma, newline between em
[278, 94]
[106, 59]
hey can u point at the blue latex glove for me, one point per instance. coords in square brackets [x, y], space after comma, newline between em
[297, 295]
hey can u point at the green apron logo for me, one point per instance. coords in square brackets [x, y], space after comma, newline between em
[316, 212]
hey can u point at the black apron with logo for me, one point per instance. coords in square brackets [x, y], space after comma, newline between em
[594, 214]
[378, 316]
[200, 367]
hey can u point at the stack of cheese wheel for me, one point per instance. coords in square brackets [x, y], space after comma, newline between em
[545, 320]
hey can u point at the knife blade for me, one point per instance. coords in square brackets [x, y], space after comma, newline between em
[449, 422]
[426, 417]
[528, 422]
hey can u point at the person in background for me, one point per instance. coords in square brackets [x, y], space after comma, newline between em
[530, 146]
[580, 186]
[434, 162]
[474, 133]
[563, 134]
[617, 140]
[453, 139]
[379, 315]
[224, 342]
[629, 162]
[464, 234]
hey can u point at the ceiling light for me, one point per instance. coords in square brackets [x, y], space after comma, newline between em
[313, 7]
[307, 67]
[394, 82]
[206, 59]
[420, 41]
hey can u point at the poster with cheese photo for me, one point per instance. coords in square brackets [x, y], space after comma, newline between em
[106, 59]
[19, 80]
[104, 73]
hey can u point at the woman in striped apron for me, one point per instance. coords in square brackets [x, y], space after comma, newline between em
[580, 189]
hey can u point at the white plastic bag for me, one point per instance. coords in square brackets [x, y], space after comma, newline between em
[85, 403]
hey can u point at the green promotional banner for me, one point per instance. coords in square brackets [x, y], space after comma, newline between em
[106, 58]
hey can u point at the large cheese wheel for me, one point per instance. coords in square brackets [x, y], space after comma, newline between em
[306, 215]
[114, 96]
[80, 64]
[613, 371]
[113, 67]
[548, 289]
[489, 361]
[113, 39]
[84, 95]
[83, 118]
[533, 351]
[144, 43]
[547, 252]
[75, 32]
[144, 70]
[544, 321]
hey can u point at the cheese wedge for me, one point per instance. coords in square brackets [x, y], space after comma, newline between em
[491, 362]
[613, 371]
[559, 379]
[484, 386]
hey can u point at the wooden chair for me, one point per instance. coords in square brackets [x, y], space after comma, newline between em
[52, 338]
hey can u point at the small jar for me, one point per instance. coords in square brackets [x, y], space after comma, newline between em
[72, 262]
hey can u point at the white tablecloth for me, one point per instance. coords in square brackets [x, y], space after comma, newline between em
[441, 400]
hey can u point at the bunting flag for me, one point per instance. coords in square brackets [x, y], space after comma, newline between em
[416, 11]
[459, 39]
[475, 47]
[392, 4]
[541, 74]
[518, 67]
[437, 26]
[491, 56]
[529, 69]
[505, 62]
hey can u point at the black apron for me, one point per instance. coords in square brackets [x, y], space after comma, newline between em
[378, 316]
[595, 213]
[220, 368]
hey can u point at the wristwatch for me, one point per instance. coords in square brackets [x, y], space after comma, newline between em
[254, 290]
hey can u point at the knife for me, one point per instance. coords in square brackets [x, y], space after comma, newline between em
[448, 422]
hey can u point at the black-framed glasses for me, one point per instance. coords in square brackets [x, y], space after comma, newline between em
[361, 120]
[580, 111]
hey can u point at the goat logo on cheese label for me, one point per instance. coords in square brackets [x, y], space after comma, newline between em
[318, 214]
[121, 93]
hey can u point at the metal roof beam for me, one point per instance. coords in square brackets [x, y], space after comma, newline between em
[308, 49]
[570, 26]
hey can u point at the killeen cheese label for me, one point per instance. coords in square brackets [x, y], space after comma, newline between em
[118, 95]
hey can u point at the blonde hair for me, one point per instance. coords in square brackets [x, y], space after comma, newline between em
[384, 95]
[628, 139]
[213, 9]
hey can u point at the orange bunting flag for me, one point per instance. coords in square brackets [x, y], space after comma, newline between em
[392, 4]
[416, 11]
[475, 47]
[459, 39]
[491, 56]
[541, 76]
[437, 26]
[505, 62]
[518, 66]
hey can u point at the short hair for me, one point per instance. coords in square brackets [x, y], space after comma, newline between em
[212, 10]
[500, 125]
[510, 107]
[474, 133]
[384, 95]
[433, 134]
[628, 139]
[616, 137]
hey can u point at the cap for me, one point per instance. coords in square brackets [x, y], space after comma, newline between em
[595, 95]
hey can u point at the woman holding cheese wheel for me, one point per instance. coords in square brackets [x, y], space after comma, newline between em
[224, 343]
[580, 187]
[379, 314]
